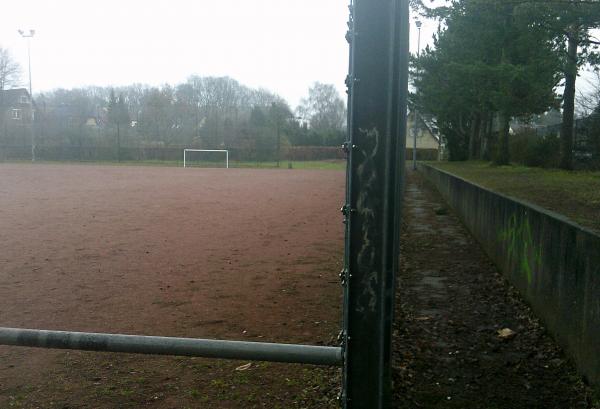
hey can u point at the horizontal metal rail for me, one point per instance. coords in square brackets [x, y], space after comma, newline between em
[206, 348]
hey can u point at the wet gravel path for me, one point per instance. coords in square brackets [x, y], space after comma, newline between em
[451, 303]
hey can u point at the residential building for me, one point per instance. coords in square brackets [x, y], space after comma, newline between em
[428, 138]
[16, 106]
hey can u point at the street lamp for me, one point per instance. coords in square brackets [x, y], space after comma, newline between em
[29, 36]
[416, 113]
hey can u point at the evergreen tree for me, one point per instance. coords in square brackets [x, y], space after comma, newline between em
[118, 115]
[570, 23]
[489, 61]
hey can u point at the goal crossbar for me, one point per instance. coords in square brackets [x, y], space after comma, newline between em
[185, 151]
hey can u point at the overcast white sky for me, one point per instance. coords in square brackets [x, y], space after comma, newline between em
[281, 45]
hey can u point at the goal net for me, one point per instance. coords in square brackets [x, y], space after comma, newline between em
[205, 158]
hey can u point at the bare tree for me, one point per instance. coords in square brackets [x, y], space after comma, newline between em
[588, 101]
[10, 70]
[325, 111]
[323, 108]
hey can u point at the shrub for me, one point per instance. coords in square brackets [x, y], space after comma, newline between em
[530, 149]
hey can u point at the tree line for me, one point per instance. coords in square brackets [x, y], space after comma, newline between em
[202, 112]
[496, 60]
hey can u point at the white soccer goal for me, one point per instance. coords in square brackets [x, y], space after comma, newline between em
[186, 160]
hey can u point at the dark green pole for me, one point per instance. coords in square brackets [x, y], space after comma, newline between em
[377, 86]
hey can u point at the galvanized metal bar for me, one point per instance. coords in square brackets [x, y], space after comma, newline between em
[206, 348]
[379, 70]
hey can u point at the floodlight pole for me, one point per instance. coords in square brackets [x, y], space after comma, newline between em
[416, 111]
[29, 36]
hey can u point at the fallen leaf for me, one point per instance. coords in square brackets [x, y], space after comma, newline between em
[244, 367]
[506, 333]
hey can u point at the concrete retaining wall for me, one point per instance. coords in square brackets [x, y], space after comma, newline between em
[552, 261]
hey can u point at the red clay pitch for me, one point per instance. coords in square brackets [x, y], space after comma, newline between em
[216, 253]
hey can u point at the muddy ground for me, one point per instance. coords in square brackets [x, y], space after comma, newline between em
[238, 254]
[251, 255]
[451, 303]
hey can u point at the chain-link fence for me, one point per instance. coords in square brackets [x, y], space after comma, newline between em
[170, 154]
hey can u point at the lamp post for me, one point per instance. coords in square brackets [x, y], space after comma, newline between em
[416, 113]
[29, 36]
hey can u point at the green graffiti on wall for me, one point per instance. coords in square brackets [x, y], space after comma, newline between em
[521, 246]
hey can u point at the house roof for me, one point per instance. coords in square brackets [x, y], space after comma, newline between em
[11, 97]
[429, 124]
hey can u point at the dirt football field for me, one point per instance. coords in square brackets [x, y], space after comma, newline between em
[244, 254]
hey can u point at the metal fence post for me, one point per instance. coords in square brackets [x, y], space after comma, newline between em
[377, 87]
